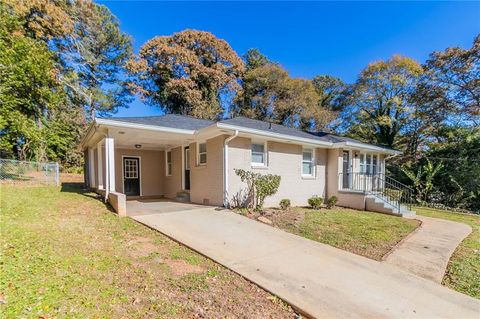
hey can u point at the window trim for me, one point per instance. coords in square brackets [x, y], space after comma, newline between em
[199, 153]
[312, 162]
[167, 163]
[368, 167]
[265, 154]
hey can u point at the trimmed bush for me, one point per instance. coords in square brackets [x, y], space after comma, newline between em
[285, 204]
[315, 202]
[331, 202]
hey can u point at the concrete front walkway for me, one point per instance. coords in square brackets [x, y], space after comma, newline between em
[426, 252]
[318, 279]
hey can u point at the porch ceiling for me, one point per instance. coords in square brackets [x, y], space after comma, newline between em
[128, 138]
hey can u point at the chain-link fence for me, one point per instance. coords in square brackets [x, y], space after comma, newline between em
[29, 172]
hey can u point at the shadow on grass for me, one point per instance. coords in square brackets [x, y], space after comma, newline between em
[79, 188]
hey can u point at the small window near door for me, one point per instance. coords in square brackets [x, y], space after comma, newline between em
[169, 163]
[202, 153]
[258, 154]
[307, 163]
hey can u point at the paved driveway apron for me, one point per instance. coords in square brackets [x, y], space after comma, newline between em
[322, 281]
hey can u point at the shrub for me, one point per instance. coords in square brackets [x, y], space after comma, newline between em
[315, 202]
[285, 204]
[266, 185]
[331, 202]
[258, 186]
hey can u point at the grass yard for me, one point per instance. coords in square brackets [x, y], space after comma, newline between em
[364, 233]
[463, 271]
[64, 254]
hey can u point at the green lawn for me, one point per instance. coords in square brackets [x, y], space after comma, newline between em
[463, 271]
[364, 233]
[63, 254]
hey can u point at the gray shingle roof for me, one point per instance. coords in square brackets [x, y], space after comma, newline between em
[168, 120]
[191, 123]
[284, 130]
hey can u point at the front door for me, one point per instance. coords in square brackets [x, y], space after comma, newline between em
[131, 176]
[187, 168]
[346, 169]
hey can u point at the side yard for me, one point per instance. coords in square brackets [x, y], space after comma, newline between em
[65, 255]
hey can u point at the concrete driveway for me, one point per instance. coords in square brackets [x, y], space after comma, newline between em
[320, 280]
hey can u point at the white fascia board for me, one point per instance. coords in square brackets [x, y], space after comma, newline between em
[367, 147]
[274, 135]
[87, 136]
[107, 122]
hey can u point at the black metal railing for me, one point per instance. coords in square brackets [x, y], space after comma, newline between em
[379, 185]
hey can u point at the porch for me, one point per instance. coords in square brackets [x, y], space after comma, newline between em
[381, 193]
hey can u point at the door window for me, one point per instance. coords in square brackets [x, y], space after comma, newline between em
[131, 168]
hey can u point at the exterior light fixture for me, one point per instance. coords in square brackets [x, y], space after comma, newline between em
[138, 146]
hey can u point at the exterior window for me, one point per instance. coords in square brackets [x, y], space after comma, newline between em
[363, 168]
[258, 154]
[169, 163]
[369, 164]
[202, 153]
[307, 163]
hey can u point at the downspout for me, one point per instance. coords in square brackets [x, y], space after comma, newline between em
[225, 168]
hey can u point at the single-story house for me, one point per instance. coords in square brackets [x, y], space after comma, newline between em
[184, 158]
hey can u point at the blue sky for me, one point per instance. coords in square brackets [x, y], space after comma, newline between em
[308, 38]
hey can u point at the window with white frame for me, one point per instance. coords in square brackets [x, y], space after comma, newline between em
[308, 165]
[169, 163]
[202, 153]
[368, 163]
[259, 157]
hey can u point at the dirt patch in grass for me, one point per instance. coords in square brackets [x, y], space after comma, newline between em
[364, 233]
[64, 254]
[181, 267]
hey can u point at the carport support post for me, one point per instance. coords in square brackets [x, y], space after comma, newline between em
[91, 167]
[110, 161]
[99, 165]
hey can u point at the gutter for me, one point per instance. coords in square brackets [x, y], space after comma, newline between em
[368, 147]
[275, 135]
[225, 167]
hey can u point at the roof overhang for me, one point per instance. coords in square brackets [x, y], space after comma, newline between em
[100, 128]
[156, 128]
[285, 137]
[375, 148]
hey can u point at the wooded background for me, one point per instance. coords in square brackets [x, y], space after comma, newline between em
[64, 62]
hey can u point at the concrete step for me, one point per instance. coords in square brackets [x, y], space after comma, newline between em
[183, 197]
[379, 204]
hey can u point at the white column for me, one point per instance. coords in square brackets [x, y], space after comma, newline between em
[99, 166]
[110, 162]
[91, 167]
